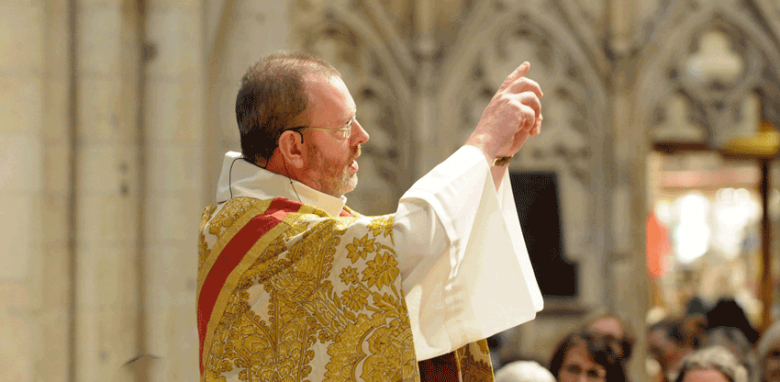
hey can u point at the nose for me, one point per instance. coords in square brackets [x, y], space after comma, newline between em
[360, 135]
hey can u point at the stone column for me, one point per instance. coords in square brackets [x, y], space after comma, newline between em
[23, 97]
[55, 315]
[425, 124]
[174, 111]
[108, 194]
[626, 264]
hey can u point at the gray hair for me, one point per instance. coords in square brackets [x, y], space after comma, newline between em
[524, 371]
[713, 358]
[734, 341]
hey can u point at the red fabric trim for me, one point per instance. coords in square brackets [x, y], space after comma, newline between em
[345, 214]
[444, 368]
[232, 255]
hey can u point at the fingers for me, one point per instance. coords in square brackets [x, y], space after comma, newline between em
[514, 76]
[527, 108]
[513, 114]
[537, 127]
[525, 85]
[528, 118]
[532, 101]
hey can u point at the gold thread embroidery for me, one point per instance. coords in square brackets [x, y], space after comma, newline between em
[258, 207]
[474, 361]
[289, 308]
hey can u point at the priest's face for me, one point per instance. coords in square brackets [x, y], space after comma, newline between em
[335, 136]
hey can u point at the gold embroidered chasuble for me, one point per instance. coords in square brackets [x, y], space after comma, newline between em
[287, 292]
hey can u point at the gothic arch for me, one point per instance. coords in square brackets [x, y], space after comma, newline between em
[681, 31]
[470, 45]
[391, 57]
[590, 83]
[494, 12]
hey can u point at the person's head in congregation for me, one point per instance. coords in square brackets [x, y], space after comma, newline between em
[297, 118]
[612, 325]
[729, 314]
[768, 355]
[733, 340]
[586, 357]
[524, 371]
[670, 340]
[711, 364]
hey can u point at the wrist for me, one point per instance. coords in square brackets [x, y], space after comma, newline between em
[486, 143]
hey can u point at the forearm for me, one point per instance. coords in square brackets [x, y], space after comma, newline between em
[489, 145]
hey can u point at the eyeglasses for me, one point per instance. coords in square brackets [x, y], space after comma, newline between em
[593, 375]
[344, 132]
[773, 355]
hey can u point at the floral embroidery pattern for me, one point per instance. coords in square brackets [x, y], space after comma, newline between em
[349, 275]
[360, 248]
[325, 289]
[229, 213]
[474, 361]
[203, 247]
[381, 226]
[355, 298]
[381, 271]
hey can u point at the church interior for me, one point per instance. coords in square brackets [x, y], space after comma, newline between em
[652, 192]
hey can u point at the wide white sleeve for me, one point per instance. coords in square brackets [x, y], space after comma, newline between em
[462, 257]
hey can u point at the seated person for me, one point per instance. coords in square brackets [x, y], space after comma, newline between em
[524, 371]
[733, 340]
[670, 340]
[612, 325]
[712, 364]
[583, 354]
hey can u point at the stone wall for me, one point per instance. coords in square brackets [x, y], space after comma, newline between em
[115, 116]
[34, 190]
[104, 167]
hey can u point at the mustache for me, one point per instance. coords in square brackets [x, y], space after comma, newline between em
[356, 152]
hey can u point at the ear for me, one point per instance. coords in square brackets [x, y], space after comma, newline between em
[292, 150]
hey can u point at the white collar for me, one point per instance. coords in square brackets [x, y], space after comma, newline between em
[247, 179]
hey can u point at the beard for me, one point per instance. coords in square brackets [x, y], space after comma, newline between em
[333, 174]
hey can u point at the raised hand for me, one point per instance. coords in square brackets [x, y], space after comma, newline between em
[514, 114]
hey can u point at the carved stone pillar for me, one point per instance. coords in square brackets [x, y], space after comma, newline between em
[625, 264]
[107, 187]
[34, 191]
[173, 151]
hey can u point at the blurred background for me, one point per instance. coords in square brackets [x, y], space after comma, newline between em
[652, 190]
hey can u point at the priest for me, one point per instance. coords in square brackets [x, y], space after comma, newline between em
[293, 285]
